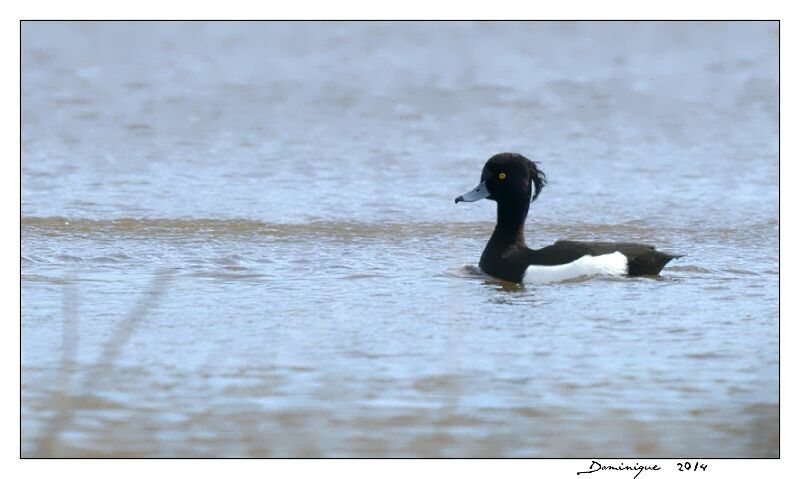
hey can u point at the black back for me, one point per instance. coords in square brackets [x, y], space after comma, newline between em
[643, 259]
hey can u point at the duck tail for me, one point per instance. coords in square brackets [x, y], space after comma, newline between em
[650, 264]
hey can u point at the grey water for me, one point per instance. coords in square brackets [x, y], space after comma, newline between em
[239, 239]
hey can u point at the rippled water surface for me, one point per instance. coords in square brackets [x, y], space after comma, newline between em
[239, 239]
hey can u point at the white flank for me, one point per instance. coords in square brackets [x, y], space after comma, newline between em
[611, 264]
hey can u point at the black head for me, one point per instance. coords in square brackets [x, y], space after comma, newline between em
[508, 177]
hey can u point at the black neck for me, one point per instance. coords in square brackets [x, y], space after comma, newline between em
[510, 228]
[502, 256]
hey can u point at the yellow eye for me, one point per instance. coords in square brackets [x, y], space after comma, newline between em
[502, 176]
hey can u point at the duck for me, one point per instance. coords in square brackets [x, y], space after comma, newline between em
[514, 182]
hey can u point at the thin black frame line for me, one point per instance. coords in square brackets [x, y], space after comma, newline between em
[339, 20]
[479, 20]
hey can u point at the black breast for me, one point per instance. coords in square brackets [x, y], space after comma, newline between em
[508, 264]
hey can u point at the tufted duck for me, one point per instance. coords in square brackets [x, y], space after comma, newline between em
[514, 181]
